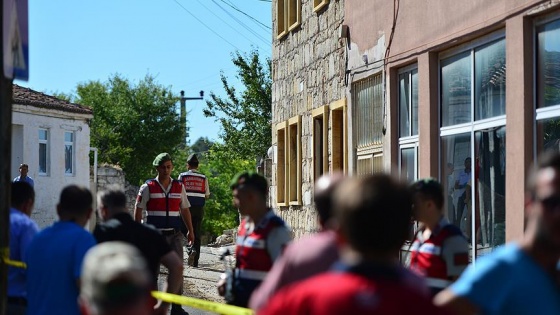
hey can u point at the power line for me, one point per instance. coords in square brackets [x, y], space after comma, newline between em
[252, 18]
[194, 16]
[242, 24]
[212, 12]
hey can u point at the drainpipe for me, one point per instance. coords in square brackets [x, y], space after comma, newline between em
[93, 220]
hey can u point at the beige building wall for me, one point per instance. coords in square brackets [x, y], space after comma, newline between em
[308, 67]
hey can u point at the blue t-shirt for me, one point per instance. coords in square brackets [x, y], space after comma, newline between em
[509, 282]
[22, 231]
[54, 262]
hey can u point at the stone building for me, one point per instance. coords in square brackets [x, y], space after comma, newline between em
[309, 104]
[418, 89]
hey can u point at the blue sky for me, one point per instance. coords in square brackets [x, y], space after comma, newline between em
[183, 43]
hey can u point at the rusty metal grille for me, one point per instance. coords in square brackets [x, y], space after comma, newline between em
[367, 99]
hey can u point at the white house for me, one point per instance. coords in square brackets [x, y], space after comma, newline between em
[51, 136]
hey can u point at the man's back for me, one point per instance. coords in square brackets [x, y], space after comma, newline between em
[22, 231]
[146, 238]
[509, 282]
[349, 293]
[54, 260]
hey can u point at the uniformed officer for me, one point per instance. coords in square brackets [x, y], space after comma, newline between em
[196, 186]
[167, 207]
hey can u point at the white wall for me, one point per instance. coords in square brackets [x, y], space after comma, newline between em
[48, 187]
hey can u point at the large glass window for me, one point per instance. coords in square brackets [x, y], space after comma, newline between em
[408, 124]
[69, 153]
[43, 151]
[548, 87]
[473, 143]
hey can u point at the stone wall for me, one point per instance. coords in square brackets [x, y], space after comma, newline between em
[308, 69]
[111, 175]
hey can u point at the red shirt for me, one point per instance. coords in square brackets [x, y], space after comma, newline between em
[349, 293]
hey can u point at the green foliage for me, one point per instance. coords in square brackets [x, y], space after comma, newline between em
[132, 123]
[245, 117]
[201, 145]
[219, 212]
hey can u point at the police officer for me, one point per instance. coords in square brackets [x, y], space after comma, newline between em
[196, 186]
[167, 206]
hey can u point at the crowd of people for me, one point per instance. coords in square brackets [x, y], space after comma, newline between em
[351, 266]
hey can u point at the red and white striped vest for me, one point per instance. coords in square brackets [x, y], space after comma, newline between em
[426, 258]
[164, 210]
[195, 186]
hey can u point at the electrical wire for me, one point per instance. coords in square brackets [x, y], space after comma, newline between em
[226, 23]
[196, 18]
[243, 24]
[231, 5]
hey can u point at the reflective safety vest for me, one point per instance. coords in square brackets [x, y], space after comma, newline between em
[195, 186]
[426, 258]
[164, 210]
[252, 258]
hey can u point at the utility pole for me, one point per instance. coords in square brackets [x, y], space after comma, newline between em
[5, 165]
[184, 111]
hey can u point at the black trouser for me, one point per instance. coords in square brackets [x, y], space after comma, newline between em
[197, 213]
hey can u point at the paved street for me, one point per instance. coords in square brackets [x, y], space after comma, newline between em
[201, 282]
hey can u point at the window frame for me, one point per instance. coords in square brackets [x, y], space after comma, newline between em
[281, 169]
[294, 161]
[321, 113]
[318, 5]
[339, 159]
[73, 153]
[47, 151]
[410, 140]
[474, 125]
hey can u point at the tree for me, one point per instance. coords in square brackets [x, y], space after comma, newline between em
[219, 212]
[201, 145]
[132, 123]
[245, 117]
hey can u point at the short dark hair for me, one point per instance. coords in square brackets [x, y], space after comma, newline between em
[374, 213]
[548, 159]
[21, 192]
[75, 200]
[23, 165]
[251, 180]
[112, 198]
[429, 188]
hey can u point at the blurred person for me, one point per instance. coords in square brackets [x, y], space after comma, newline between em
[167, 206]
[115, 281]
[22, 231]
[261, 237]
[373, 215]
[450, 192]
[307, 256]
[461, 182]
[23, 170]
[196, 186]
[54, 257]
[118, 225]
[440, 251]
[520, 277]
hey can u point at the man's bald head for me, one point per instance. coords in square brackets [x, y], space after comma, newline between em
[323, 195]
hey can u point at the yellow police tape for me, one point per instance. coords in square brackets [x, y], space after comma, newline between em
[5, 254]
[14, 263]
[202, 304]
[171, 298]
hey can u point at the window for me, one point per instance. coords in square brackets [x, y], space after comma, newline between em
[294, 160]
[408, 124]
[319, 4]
[288, 16]
[548, 87]
[338, 136]
[473, 142]
[69, 153]
[281, 191]
[320, 152]
[43, 152]
[367, 99]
